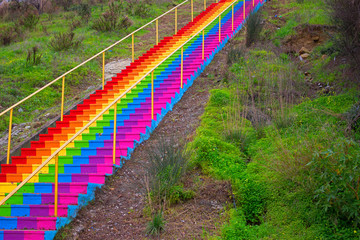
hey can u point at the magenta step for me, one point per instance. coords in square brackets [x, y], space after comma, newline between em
[28, 223]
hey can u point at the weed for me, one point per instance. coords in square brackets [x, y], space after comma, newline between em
[178, 194]
[33, 58]
[64, 41]
[253, 27]
[74, 24]
[156, 225]
[352, 117]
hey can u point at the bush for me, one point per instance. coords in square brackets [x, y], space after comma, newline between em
[345, 15]
[84, 11]
[64, 41]
[29, 20]
[336, 176]
[109, 21]
[253, 28]
[8, 35]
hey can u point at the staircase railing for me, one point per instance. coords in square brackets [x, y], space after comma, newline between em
[113, 105]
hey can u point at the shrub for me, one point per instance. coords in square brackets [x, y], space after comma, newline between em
[84, 11]
[33, 58]
[7, 35]
[64, 41]
[353, 119]
[156, 225]
[345, 15]
[66, 4]
[29, 20]
[336, 174]
[253, 27]
[141, 10]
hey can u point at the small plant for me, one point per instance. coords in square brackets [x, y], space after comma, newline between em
[156, 225]
[179, 194]
[64, 41]
[253, 28]
[33, 58]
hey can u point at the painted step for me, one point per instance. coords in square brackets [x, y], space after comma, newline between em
[26, 235]
[42, 198]
[28, 223]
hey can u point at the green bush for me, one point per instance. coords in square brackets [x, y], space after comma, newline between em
[178, 194]
[336, 176]
[64, 41]
[253, 27]
[219, 97]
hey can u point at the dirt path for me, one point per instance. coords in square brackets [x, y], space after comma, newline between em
[117, 211]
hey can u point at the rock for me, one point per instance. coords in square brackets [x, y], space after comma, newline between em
[20, 110]
[27, 127]
[303, 50]
[36, 111]
[315, 38]
[304, 55]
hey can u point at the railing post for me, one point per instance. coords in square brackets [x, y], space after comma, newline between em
[203, 45]
[220, 28]
[157, 31]
[9, 138]
[253, 3]
[204, 5]
[62, 98]
[132, 48]
[114, 136]
[175, 20]
[232, 17]
[182, 67]
[192, 10]
[56, 185]
[244, 9]
[103, 70]
[152, 95]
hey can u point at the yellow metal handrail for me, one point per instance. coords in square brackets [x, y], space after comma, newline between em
[113, 103]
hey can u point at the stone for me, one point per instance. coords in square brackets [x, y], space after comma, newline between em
[304, 55]
[303, 50]
[315, 38]
[27, 127]
[20, 110]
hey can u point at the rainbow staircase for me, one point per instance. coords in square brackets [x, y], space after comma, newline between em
[84, 165]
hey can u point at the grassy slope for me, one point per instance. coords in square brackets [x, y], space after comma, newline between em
[291, 164]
